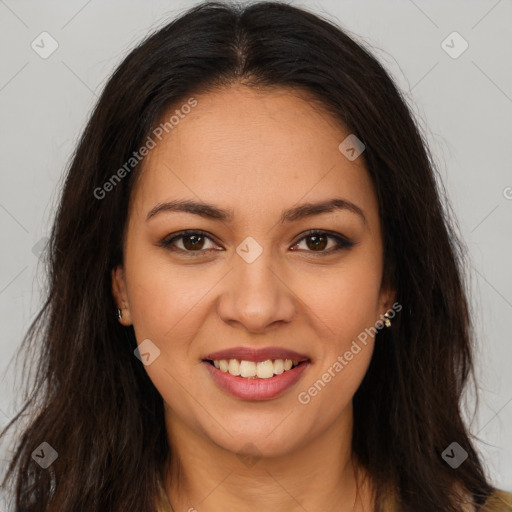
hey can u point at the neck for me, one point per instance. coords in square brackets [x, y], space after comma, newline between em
[320, 475]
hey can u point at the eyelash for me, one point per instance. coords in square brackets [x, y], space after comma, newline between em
[343, 242]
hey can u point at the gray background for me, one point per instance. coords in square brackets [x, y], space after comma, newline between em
[463, 104]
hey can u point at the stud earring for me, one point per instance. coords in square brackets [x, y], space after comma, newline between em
[119, 314]
[387, 321]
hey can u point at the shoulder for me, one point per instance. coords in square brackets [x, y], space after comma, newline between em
[162, 500]
[498, 501]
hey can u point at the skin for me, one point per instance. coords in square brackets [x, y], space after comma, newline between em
[255, 152]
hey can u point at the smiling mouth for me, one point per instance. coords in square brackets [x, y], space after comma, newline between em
[255, 370]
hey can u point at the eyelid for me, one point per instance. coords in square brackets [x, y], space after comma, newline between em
[166, 243]
[342, 241]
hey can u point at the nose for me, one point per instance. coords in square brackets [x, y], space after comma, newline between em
[256, 295]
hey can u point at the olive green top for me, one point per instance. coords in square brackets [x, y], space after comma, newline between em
[499, 501]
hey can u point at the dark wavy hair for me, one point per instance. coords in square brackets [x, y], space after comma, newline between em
[92, 400]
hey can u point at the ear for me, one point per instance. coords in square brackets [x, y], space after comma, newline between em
[120, 295]
[387, 304]
[387, 299]
[387, 293]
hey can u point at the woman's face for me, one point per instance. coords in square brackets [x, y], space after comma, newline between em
[255, 279]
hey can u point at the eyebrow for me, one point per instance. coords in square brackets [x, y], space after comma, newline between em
[293, 214]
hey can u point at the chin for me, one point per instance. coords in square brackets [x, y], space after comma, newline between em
[257, 443]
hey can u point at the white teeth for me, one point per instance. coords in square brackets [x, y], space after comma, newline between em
[247, 369]
[278, 366]
[263, 369]
[234, 367]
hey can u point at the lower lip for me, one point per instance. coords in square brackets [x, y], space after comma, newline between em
[254, 388]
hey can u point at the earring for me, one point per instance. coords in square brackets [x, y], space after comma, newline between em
[119, 314]
[387, 321]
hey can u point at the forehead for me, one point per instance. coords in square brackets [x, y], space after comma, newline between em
[253, 151]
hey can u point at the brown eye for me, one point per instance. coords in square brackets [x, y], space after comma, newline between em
[192, 241]
[318, 241]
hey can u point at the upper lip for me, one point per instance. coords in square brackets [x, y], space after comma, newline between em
[256, 354]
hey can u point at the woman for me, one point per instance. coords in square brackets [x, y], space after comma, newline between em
[253, 200]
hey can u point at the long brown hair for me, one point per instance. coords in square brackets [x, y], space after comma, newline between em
[91, 399]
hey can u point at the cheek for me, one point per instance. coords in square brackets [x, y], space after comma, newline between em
[163, 297]
[165, 304]
[345, 347]
[345, 299]
[345, 304]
